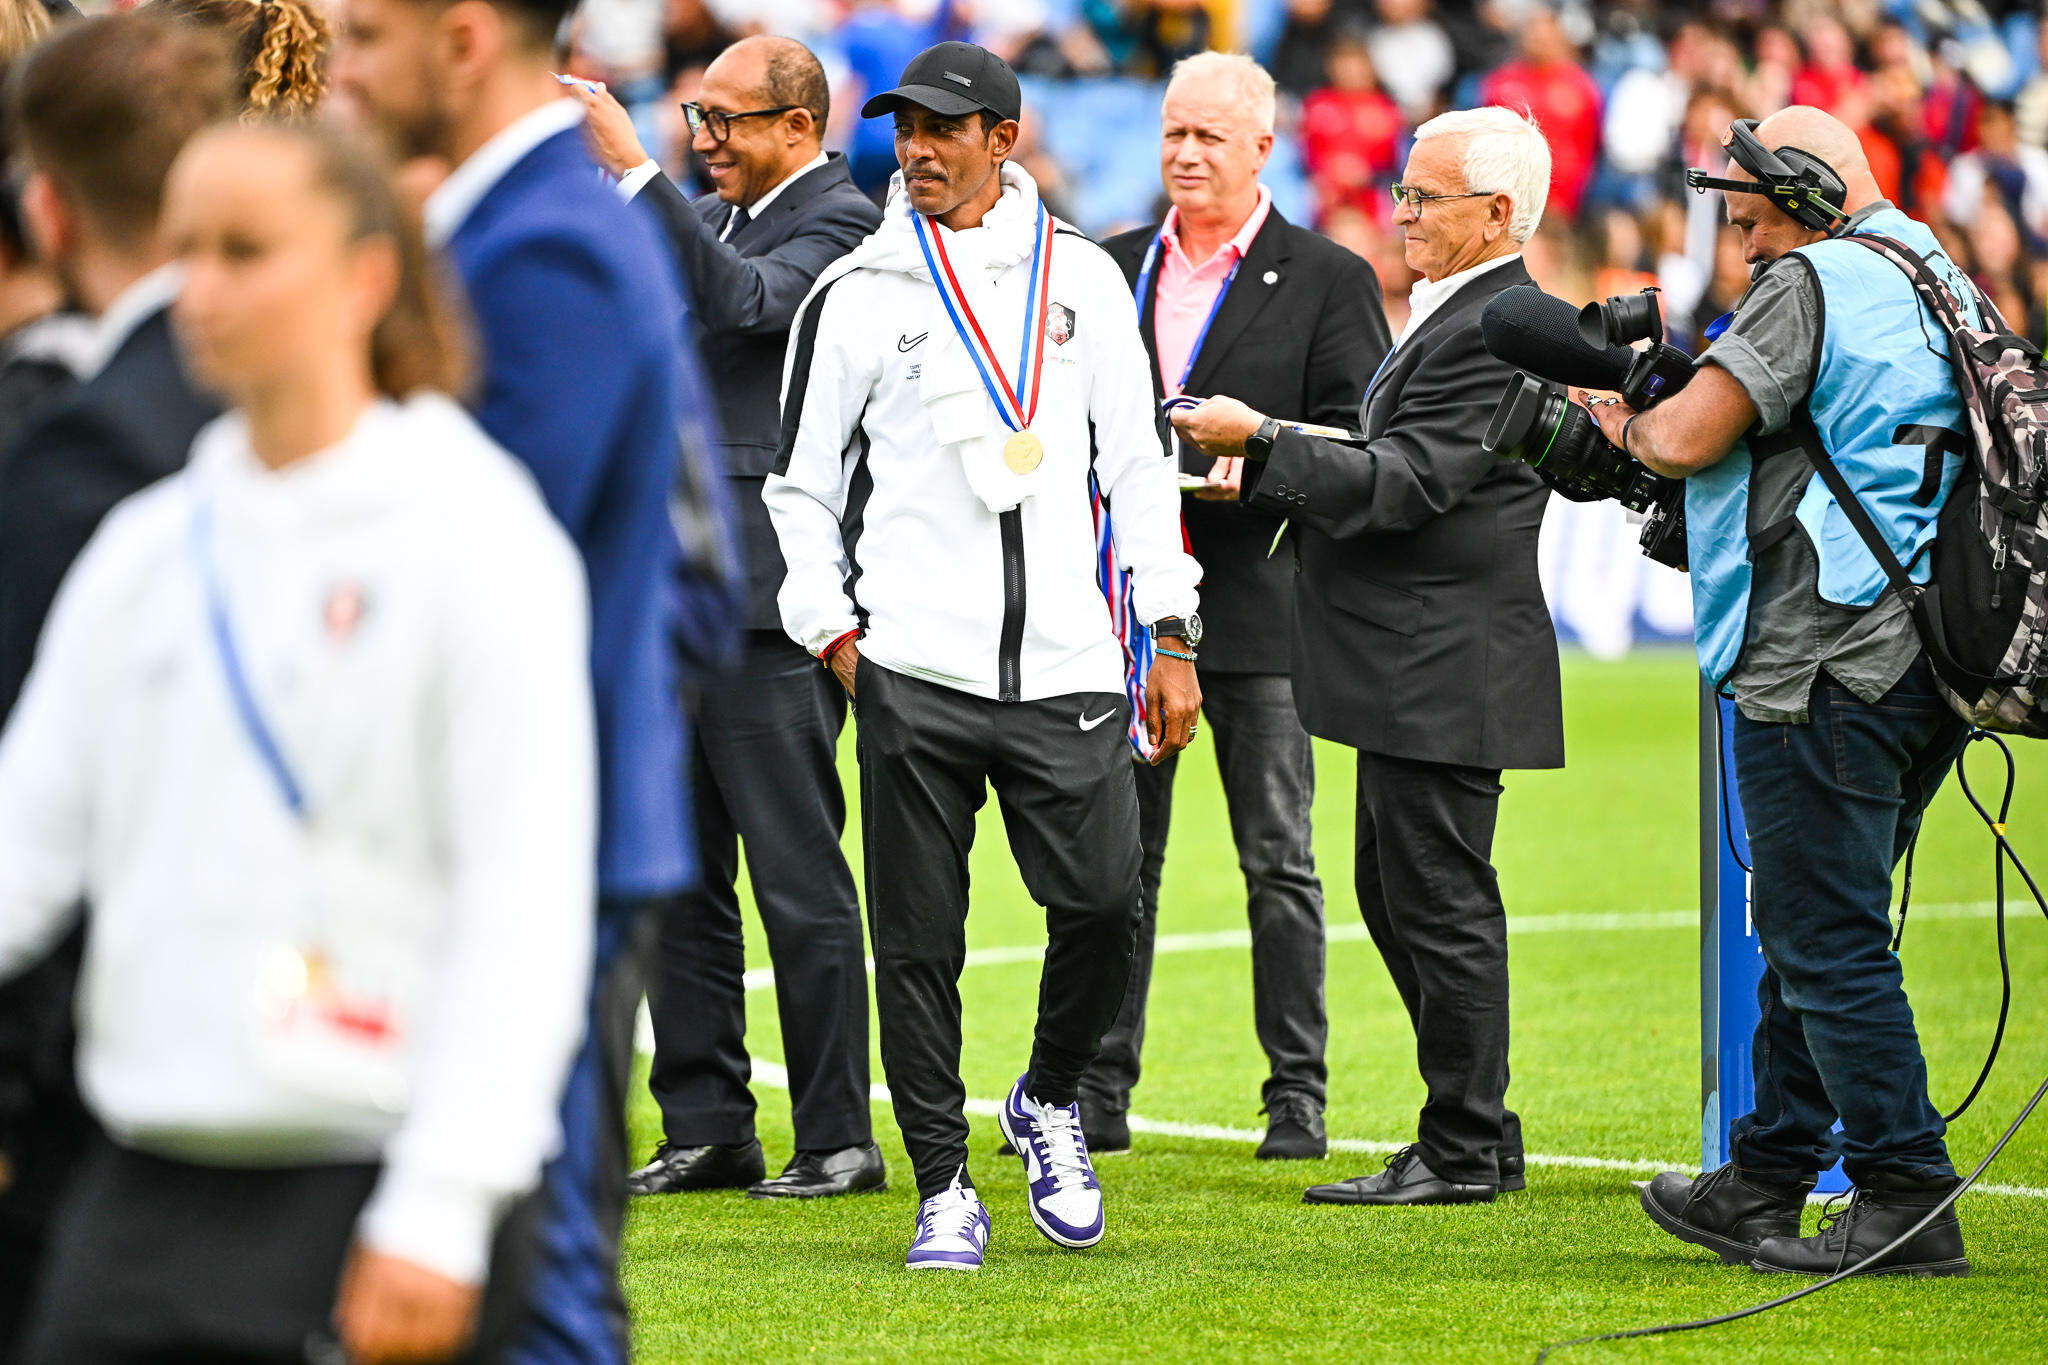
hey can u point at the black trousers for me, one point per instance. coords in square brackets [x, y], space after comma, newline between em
[1269, 784]
[157, 1261]
[1431, 901]
[45, 1130]
[765, 774]
[928, 755]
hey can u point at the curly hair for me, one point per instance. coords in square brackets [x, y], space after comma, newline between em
[281, 46]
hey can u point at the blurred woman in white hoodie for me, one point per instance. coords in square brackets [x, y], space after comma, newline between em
[309, 733]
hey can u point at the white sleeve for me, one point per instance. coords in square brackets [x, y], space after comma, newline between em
[635, 180]
[1131, 463]
[825, 386]
[47, 764]
[517, 790]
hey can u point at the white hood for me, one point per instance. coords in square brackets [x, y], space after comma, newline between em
[964, 417]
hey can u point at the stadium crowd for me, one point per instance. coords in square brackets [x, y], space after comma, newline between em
[1950, 100]
[269, 490]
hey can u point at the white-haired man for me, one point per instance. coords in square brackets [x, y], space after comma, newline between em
[1233, 298]
[1421, 638]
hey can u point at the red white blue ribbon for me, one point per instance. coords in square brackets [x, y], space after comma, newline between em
[1135, 639]
[1015, 403]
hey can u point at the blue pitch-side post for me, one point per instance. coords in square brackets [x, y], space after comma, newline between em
[1731, 959]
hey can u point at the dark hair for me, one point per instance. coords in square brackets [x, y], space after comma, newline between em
[541, 19]
[280, 46]
[797, 78]
[103, 107]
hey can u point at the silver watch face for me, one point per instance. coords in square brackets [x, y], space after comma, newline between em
[1194, 630]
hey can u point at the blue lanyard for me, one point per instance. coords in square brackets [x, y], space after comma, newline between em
[1145, 297]
[261, 738]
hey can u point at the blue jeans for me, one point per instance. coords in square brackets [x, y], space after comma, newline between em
[1831, 806]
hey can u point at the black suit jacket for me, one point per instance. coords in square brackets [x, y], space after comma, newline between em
[744, 292]
[1299, 335]
[117, 433]
[1421, 630]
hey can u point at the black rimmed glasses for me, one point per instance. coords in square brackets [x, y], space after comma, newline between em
[1409, 196]
[719, 123]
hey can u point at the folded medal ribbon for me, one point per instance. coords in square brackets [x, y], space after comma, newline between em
[1001, 471]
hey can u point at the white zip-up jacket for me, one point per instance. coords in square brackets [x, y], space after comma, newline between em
[411, 622]
[894, 511]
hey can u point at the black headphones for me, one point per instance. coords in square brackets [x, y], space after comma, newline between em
[1810, 191]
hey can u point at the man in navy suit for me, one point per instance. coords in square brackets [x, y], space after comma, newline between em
[587, 379]
[766, 762]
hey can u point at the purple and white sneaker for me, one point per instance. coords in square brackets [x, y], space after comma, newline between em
[1065, 1198]
[952, 1231]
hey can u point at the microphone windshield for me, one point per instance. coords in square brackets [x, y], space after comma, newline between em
[1534, 331]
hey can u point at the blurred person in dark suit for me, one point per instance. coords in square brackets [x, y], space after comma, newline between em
[1422, 639]
[43, 340]
[767, 731]
[589, 379]
[97, 114]
[1233, 298]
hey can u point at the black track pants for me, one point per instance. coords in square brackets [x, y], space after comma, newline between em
[1062, 773]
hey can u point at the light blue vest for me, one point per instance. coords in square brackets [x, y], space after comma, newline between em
[1883, 380]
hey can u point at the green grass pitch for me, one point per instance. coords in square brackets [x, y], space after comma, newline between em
[1212, 1256]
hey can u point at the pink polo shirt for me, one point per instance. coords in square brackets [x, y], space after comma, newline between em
[1186, 291]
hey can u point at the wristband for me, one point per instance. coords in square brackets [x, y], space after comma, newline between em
[1624, 433]
[1172, 653]
[825, 654]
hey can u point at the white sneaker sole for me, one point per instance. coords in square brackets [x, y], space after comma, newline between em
[941, 1265]
[1056, 1238]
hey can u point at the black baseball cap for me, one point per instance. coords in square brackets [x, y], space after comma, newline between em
[953, 79]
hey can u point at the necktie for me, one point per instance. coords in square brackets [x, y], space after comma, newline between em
[737, 224]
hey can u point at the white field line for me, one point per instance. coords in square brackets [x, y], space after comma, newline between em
[776, 1077]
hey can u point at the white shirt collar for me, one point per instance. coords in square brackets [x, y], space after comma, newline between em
[1425, 296]
[137, 303]
[450, 205]
[760, 206]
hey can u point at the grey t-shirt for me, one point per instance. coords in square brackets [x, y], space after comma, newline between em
[1771, 349]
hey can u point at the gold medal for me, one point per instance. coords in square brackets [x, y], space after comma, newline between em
[1023, 452]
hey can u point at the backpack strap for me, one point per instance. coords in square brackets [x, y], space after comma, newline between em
[1923, 600]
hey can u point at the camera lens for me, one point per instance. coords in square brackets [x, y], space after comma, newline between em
[1538, 424]
[1622, 319]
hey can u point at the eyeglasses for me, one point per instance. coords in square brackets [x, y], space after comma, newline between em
[720, 124]
[1410, 197]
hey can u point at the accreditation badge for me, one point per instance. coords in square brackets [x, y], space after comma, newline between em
[331, 1015]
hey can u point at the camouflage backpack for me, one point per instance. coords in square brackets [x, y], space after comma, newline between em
[1983, 615]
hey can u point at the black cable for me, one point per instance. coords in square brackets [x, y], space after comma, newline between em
[1859, 1268]
[1721, 766]
[1906, 894]
[1999, 850]
[2004, 850]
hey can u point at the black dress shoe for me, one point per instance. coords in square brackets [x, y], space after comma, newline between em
[1406, 1180]
[1724, 1211]
[820, 1175]
[1874, 1217]
[1513, 1172]
[1294, 1131]
[1104, 1129]
[675, 1169]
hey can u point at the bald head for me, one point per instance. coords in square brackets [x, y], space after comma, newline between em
[1827, 137]
[782, 71]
